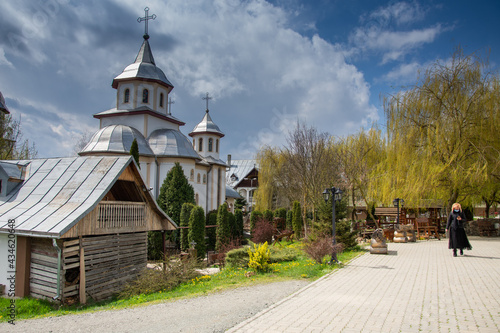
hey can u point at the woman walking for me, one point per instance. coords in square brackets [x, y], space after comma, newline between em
[457, 237]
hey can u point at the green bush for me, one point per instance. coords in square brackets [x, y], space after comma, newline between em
[345, 235]
[297, 219]
[268, 215]
[282, 254]
[211, 232]
[289, 220]
[184, 222]
[237, 257]
[223, 227]
[238, 216]
[197, 230]
[255, 215]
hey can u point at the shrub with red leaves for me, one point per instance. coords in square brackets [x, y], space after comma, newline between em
[263, 232]
[321, 247]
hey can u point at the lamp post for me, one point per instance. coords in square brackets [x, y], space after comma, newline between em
[397, 202]
[336, 196]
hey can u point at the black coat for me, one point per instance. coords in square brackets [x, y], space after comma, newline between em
[453, 222]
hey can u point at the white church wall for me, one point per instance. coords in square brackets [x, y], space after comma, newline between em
[135, 121]
[120, 101]
[155, 123]
[140, 90]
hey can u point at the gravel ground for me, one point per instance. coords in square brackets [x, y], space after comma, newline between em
[211, 313]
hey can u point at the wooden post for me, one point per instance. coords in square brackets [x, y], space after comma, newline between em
[83, 296]
[23, 260]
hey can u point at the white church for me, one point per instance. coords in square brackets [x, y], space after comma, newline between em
[142, 113]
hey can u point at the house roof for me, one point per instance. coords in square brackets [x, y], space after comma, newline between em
[231, 193]
[3, 106]
[238, 170]
[58, 192]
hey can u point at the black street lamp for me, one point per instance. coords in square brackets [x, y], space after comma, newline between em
[397, 202]
[336, 196]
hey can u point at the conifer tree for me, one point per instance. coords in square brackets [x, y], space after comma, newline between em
[134, 151]
[238, 216]
[255, 215]
[289, 220]
[223, 228]
[174, 192]
[197, 230]
[184, 222]
[297, 219]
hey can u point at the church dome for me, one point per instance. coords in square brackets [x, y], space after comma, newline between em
[144, 68]
[3, 106]
[170, 142]
[207, 126]
[116, 139]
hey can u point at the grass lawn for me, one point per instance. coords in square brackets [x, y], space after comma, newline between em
[300, 268]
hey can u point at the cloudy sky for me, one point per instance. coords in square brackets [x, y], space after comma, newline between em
[266, 63]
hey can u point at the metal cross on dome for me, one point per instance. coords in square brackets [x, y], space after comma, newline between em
[146, 18]
[207, 98]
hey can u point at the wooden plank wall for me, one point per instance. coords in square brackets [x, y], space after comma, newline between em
[43, 269]
[111, 261]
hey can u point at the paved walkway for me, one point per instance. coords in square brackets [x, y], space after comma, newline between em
[418, 287]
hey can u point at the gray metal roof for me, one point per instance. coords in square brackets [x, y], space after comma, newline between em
[3, 106]
[13, 169]
[230, 193]
[140, 109]
[170, 142]
[211, 160]
[238, 170]
[117, 139]
[207, 126]
[144, 68]
[59, 192]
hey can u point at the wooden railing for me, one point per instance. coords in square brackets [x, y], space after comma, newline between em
[120, 214]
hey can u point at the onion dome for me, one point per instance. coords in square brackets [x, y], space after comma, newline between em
[144, 68]
[3, 106]
[207, 126]
[116, 139]
[170, 142]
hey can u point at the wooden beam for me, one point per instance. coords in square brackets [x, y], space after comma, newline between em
[83, 296]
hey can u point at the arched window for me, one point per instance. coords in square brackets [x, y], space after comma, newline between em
[161, 100]
[145, 96]
[204, 179]
[198, 178]
[126, 96]
[217, 145]
[191, 176]
[200, 144]
[210, 144]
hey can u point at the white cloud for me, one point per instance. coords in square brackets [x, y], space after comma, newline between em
[3, 60]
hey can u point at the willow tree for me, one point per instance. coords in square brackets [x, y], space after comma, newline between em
[438, 131]
[359, 155]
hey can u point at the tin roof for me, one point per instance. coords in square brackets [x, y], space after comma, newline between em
[144, 68]
[170, 142]
[207, 126]
[58, 192]
[116, 139]
[238, 170]
[3, 106]
[230, 193]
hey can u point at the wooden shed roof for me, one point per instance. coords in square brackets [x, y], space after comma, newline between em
[58, 192]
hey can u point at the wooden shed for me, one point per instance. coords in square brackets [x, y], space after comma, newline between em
[80, 223]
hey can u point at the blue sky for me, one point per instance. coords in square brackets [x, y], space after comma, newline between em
[266, 63]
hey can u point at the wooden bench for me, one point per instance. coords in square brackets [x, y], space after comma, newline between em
[426, 228]
[486, 228]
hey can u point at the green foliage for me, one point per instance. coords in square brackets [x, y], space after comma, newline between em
[240, 203]
[174, 192]
[11, 144]
[255, 215]
[268, 215]
[289, 220]
[238, 216]
[237, 257]
[134, 151]
[281, 213]
[197, 230]
[211, 232]
[223, 227]
[155, 245]
[232, 225]
[345, 235]
[297, 219]
[184, 222]
[258, 257]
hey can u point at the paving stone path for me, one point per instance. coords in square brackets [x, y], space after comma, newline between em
[417, 287]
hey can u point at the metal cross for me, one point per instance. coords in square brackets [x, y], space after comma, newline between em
[207, 98]
[170, 102]
[146, 18]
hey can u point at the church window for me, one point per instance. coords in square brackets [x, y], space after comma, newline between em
[200, 144]
[198, 178]
[204, 179]
[145, 96]
[191, 176]
[210, 144]
[161, 100]
[126, 97]
[217, 145]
